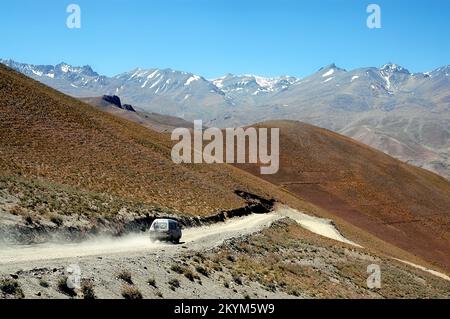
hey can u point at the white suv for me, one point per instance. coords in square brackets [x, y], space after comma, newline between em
[166, 229]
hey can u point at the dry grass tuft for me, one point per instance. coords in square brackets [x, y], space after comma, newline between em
[125, 275]
[11, 287]
[131, 292]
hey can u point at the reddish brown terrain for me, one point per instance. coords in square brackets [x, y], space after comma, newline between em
[59, 141]
[401, 204]
[59, 155]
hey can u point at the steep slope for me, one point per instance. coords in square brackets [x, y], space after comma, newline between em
[401, 204]
[47, 136]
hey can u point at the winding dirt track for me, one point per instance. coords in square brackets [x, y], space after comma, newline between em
[200, 238]
[193, 238]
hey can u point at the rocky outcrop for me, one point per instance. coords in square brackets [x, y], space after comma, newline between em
[128, 107]
[115, 100]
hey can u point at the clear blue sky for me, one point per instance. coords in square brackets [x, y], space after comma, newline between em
[213, 37]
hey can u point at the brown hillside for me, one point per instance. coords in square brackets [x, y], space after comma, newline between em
[47, 135]
[399, 203]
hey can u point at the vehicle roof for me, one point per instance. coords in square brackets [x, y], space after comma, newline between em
[165, 220]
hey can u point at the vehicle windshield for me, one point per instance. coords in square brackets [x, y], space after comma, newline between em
[160, 225]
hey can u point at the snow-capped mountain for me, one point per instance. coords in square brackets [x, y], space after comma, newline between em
[59, 71]
[152, 81]
[404, 114]
[164, 91]
[167, 81]
[76, 81]
[180, 86]
[440, 72]
[252, 84]
[391, 80]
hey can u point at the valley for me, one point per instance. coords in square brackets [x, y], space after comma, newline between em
[81, 185]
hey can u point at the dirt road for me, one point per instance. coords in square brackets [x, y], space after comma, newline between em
[102, 259]
[199, 238]
[194, 238]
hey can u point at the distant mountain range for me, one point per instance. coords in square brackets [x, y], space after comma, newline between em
[404, 114]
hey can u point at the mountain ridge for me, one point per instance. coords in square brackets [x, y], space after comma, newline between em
[65, 68]
[403, 114]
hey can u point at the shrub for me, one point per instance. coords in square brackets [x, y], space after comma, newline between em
[231, 258]
[28, 219]
[271, 287]
[87, 289]
[56, 220]
[184, 271]
[217, 267]
[17, 210]
[202, 270]
[177, 268]
[174, 284]
[11, 287]
[152, 282]
[125, 275]
[131, 292]
[237, 279]
[189, 275]
[294, 292]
